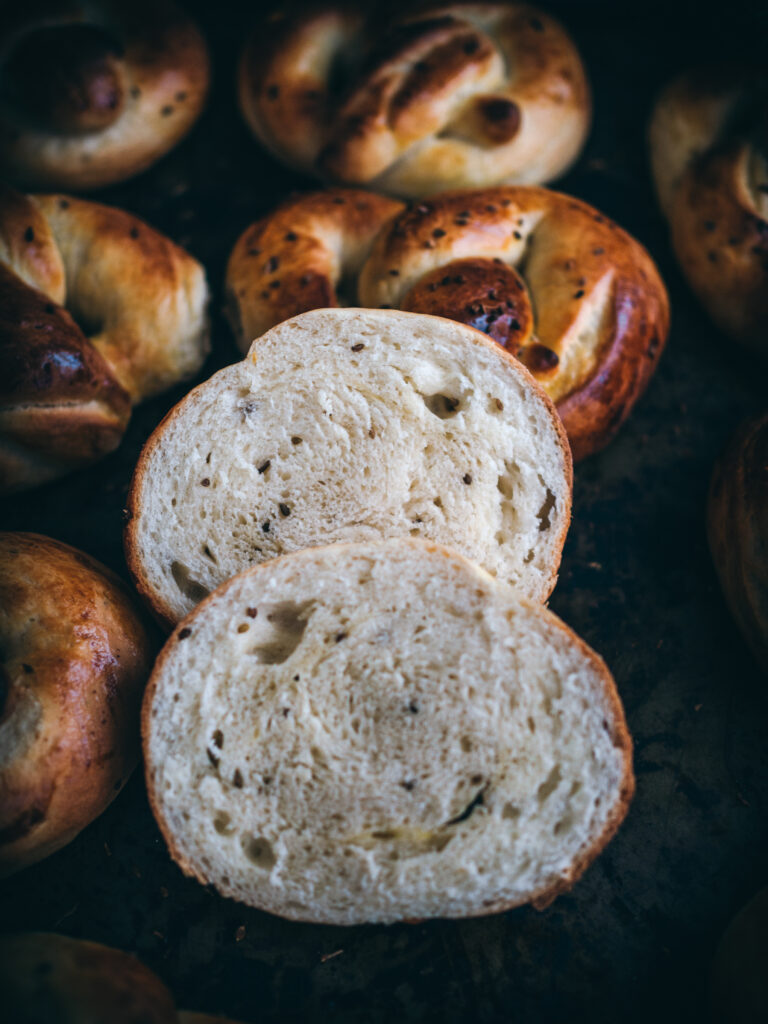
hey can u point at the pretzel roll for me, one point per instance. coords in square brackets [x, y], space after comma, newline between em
[454, 95]
[74, 657]
[92, 93]
[709, 153]
[68, 267]
[52, 979]
[737, 525]
[574, 297]
[299, 257]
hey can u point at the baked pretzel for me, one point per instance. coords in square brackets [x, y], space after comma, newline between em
[737, 527]
[74, 657]
[456, 95]
[68, 267]
[93, 92]
[709, 152]
[574, 297]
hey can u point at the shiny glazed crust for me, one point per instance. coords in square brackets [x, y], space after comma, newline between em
[709, 156]
[65, 398]
[587, 312]
[75, 657]
[124, 83]
[737, 526]
[453, 95]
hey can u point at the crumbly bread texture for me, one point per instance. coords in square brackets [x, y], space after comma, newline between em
[351, 425]
[379, 732]
[52, 979]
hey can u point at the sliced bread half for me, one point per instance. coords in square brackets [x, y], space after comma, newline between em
[382, 731]
[350, 425]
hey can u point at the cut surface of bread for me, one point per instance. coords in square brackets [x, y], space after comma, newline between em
[378, 732]
[349, 425]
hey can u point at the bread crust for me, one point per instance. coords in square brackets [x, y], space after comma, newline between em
[710, 175]
[539, 899]
[737, 529]
[163, 614]
[66, 398]
[50, 978]
[76, 654]
[121, 85]
[601, 309]
[447, 96]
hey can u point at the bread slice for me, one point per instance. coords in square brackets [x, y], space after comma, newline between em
[350, 425]
[382, 731]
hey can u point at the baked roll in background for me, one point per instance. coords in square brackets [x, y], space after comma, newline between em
[93, 93]
[76, 653]
[410, 102]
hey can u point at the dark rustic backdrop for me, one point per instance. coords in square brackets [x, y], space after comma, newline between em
[634, 939]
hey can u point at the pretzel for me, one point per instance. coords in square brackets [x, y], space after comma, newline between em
[92, 93]
[574, 297]
[66, 267]
[456, 95]
[709, 152]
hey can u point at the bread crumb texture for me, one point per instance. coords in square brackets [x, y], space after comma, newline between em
[351, 425]
[377, 732]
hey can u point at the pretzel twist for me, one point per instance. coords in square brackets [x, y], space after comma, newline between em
[458, 95]
[574, 297]
[97, 312]
[92, 93]
[709, 152]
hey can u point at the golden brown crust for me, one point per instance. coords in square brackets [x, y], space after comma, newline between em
[737, 528]
[297, 258]
[123, 83]
[615, 720]
[710, 159]
[449, 95]
[49, 979]
[589, 319]
[76, 654]
[66, 398]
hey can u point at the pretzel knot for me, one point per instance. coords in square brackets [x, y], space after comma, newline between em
[93, 93]
[460, 95]
[68, 267]
[574, 297]
[709, 151]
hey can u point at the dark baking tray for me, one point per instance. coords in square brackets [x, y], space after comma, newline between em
[635, 937]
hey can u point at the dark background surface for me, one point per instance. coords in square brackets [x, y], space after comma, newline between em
[635, 937]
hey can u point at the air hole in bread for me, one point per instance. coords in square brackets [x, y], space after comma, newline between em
[442, 406]
[222, 822]
[528, 557]
[549, 785]
[466, 744]
[531, 724]
[209, 554]
[189, 587]
[297, 440]
[258, 851]
[243, 627]
[510, 812]
[438, 501]
[543, 515]
[281, 631]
